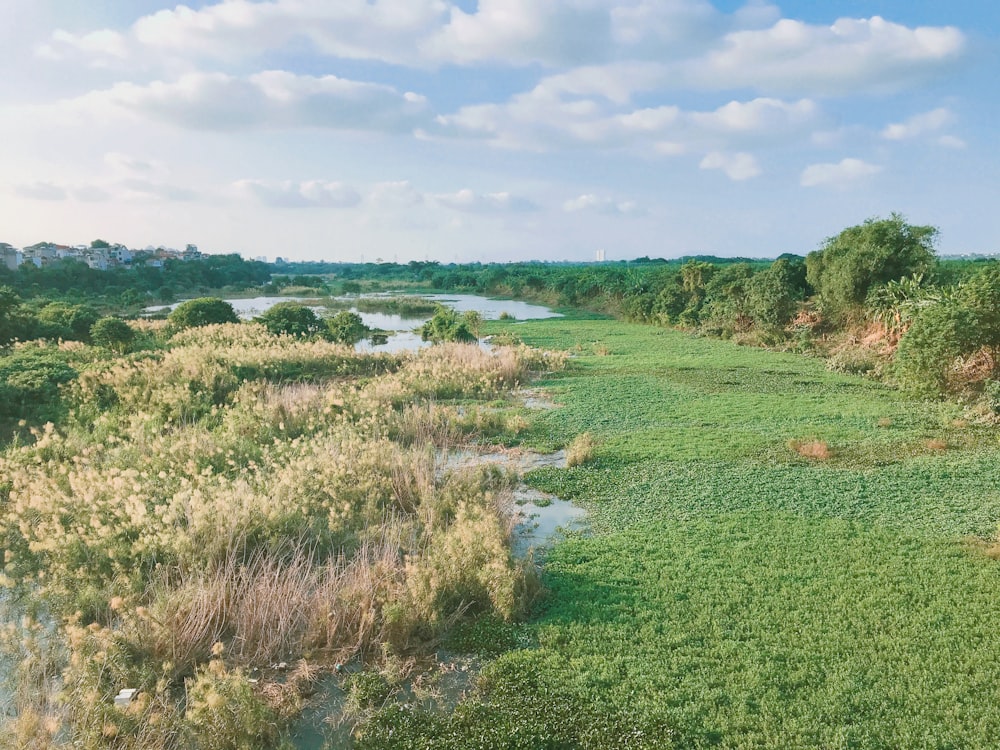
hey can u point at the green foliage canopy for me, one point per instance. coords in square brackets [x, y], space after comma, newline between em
[202, 312]
[291, 318]
[113, 333]
[862, 257]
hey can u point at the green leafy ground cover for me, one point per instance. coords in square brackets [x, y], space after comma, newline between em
[734, 593]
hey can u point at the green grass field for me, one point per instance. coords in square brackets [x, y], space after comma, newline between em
[734, 593]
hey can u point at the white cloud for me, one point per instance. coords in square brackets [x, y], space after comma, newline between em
[99, 47]
[589, 202]
[542, 119]
[291, 194]
[950, 141]
[928, 122]
[842, 174]
[272, 99]
[737, 167]
[752, 47]
[472, 202]
[851, 55]
[238, 29]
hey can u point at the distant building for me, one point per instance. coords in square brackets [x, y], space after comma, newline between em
[599, 256]
[11, 256]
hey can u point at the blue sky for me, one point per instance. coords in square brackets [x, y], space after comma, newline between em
[497, 129]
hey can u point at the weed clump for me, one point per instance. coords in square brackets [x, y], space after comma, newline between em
[581, 450]
[816, 450]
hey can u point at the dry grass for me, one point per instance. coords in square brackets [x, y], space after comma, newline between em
[936, 444]
[884, 422]
[816, 450]
[581, 450]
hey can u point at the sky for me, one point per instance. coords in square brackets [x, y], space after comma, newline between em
[496, 130]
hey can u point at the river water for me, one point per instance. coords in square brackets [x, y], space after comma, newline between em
[402, 330]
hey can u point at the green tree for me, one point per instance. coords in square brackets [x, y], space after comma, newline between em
[66, 321]
[774, 295]
[865, 256]
[347, 328]
[113, 333]
[293, 319]
[16, 322]
[202, 312]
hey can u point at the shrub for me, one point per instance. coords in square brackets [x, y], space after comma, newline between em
[346, 328]
[112, 333]
[447, 325]
[291, 318]
[939, 334]
[202, 312]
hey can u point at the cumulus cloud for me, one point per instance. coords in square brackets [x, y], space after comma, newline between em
[291, 194]
[844, 173]
[951, 141]
[540, 119]
[272, 99]
[589, 202]
[387, 30]
[922, 124]
[752, 47]
[471, 202]
[737, 167]
[849, 56]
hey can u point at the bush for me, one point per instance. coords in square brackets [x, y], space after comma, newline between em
[291, 318]
[112, 333]
[347, 328]
[447, 325]
[30, 381]
[202, 312]
[939, 334]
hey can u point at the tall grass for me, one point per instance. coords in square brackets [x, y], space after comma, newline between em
[260, 497]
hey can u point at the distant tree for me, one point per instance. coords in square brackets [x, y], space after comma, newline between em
[202, 312]
[291, 318]
[347, 328]
[113, 333]
[66, 321]
[100, 245]
[16, 322]
[861, 257]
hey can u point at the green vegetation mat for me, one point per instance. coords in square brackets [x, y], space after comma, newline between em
[734, 592]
